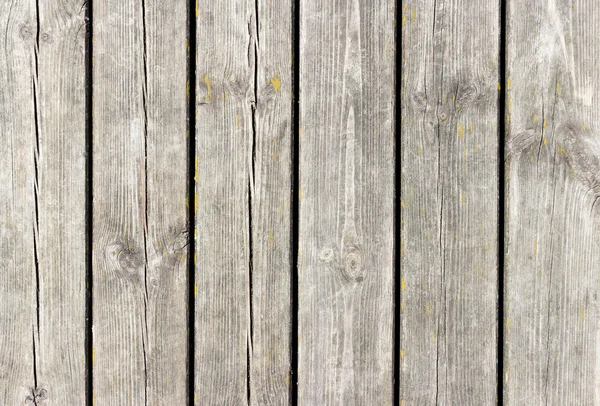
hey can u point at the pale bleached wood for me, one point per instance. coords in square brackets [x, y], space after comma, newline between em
[140, 234]
[271, 191]
[42, 203]
[552, 328]
[449, 228]
[346, 207]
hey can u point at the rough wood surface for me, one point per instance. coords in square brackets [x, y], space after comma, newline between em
[552, 332]
[271, 192]
[42, 203]
[346, 208]
[225, 95]
[140, 182]
[449, 227]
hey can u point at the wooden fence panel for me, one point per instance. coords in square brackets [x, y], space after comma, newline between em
[42, 203]
[140, 234]
[551, 330]
[346, 207]
[449, 226]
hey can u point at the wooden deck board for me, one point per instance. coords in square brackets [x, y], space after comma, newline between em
[551, 330]
[42, 203]
[346, 202]
[449, 226]
[140, 235]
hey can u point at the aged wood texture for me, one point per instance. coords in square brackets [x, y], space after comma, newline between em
[42, 203]
[552, 332]
[243, 183]
[140, 233]
[346, 208]
[449, 226]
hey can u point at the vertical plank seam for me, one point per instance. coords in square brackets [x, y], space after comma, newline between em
[191, 87]
[501, 203]
[295, 203]
[89, 349]
[398, 212]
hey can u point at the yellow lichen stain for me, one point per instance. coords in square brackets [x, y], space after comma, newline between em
[187, 202]
[581, 313]
[287, 380]
[462, 198]
[401, 354]
[194, 257]
[209, 95]
[508, 84]
[499, 86]
[300, 194]
[419, 150]
[508, 324]
[402, 285]
[275, 82]
[299, 132]
[195, 289]
[413, 13]
[470, 128]
[535, 117]
[586, 127]
[271, 238]
[535, 246]
[93, 355]
[187, 88]
[545, 141]
[427, 307]
[403, 20]
[402, 402]
[545, 124]
[558, 88]
[402, 203]
[275, 156]
[432, 336]
[196, 173]
[460, 130]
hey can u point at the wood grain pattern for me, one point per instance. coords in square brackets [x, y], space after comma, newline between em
[243, 184]
[271, 192]
[449, 227]
[225, 95]
[42, 203]
[552, 333]
[346, 208]
[140, 234]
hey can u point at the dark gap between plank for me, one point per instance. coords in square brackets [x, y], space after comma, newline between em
[191, 199]
[501, 202]
[397, 211]
[88, 204]
[294, 199]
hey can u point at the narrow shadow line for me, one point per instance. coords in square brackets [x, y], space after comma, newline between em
[397, 209]
[192, 167]
[501, 201]
[295, 197]
[89, 205]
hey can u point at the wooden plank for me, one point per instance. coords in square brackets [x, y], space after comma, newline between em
[552, 334]
[140, 193]
[270, 192]
[346, 208]
[449, 251]
[42, 203]
[243, 268]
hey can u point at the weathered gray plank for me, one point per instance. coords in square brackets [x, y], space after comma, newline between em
[346, 208]
[552, 333]
[270, 189]
[42, 203]
[449, 263]
[140, 194]
[243, 272]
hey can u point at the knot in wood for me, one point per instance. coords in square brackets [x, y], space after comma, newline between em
[38, 396]
[353, 269]
[25, 32]
[327, 255]
[129, 259]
